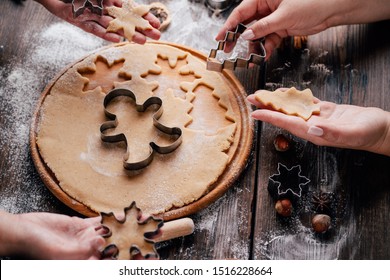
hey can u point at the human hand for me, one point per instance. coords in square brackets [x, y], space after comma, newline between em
[96, 24]
[344, 126]
[50, 236]
[276, 19]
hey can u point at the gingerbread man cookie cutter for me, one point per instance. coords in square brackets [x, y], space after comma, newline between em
[113, 123]
[79, 6]
[214, 64]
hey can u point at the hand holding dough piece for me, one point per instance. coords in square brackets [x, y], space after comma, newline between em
[291, 102]
[131, 18]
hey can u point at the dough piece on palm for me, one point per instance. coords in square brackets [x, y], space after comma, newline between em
[128, 18]
[291, 102]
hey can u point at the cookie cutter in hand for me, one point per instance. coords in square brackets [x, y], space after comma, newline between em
[214, 64]
[173, 131]
[79, 6]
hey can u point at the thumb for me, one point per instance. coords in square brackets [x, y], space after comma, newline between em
[272, 23]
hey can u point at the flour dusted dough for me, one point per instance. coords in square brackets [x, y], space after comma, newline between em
[128, 18]
[91, 171]
[290, 102]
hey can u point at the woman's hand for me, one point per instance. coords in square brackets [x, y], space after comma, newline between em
[344, 126]
[50, 236]
[97, 24]
[276, 19]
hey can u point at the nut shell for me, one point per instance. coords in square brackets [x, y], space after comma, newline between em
[282, 143]
[320, 223]
[284, 207]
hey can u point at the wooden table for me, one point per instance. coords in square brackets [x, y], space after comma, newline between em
[347, 64]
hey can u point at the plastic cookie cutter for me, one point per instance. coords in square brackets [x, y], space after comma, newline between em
[289, 180]
[113, 123]
[79, 6]
[216, 64]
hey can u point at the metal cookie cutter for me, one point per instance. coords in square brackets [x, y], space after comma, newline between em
[78, 6]
[289, 180]
[214, 64]
[174, 131]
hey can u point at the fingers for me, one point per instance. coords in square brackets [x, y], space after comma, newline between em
[241, 14]
[140, 36]
[272, 41]
[152, 20]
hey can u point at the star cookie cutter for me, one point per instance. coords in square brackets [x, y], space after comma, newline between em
[214, 64]
[289, 180]
[79, 6]
[129, 235]
[113, 123]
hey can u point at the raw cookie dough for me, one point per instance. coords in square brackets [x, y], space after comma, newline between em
[128, 18]
[129, 235]
[290, 102]
[91, 171]
[160, 11]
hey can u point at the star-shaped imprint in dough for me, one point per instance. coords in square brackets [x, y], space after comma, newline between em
[289, 180]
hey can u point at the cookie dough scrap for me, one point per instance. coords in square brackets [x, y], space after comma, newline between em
[291, 102]
[128, 18]
[129, 236]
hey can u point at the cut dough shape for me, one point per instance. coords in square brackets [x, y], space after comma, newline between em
[291, 102]
[129, 236]
[128, 18]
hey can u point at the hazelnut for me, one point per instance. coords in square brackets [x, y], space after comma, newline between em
[282, 143]
[283, 207]
[320, 223]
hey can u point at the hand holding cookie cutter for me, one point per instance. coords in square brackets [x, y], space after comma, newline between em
[174, 131]
[214, 64]
[78, 6]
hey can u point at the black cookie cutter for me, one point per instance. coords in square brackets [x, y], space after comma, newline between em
[174, 131]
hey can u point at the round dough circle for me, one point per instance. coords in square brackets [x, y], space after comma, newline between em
[88, 176]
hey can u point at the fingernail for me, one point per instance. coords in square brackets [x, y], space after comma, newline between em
[315, 130]
[248, 34]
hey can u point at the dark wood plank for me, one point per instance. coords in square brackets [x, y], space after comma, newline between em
[20, 186]
[347, 64]
[222, 231]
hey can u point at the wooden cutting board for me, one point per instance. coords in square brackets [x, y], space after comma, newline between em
[238, 153]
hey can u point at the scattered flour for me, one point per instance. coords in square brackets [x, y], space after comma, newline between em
[20, 88]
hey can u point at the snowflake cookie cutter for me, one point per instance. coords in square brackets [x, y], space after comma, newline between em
[79, 6]
[289, 181]
[113, 123]
[130, 235]
[214, 64]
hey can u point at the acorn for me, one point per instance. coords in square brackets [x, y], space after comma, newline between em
[320, 223]
[282, 143]
[284, 207]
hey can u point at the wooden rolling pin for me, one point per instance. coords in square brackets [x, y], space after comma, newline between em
[175, 228]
